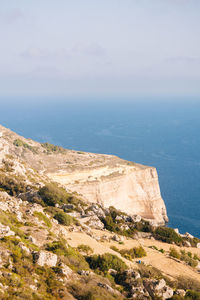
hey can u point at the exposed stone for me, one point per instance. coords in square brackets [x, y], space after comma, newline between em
[132, 273]
[97, 210]
[180, 292]
[94, 222]
[24, 248]
[198, 245]
[124, 227]
[66, 207]
[106, 286]
[45, 258]
[65, 270]
[187, 244]
[84, 273]
[136, 218]
[112, 272]
[158, 288]
[118, 238]
[5, 231]
[176, 230]
[32, 239]
[187, 234]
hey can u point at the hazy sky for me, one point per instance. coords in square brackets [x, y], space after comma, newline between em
[122, 48]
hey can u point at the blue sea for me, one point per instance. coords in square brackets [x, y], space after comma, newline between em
[164, 134]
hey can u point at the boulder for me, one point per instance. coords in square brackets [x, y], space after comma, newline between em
[180, 292]
[45, 258]
[5, 231]
[94, 222]
[158, 288]
[176, 230]
[118, 238]
[187, 244]
[187, 234]
[24, 248]
[67, 207]
[136, 218]
[65, 271]
[106, 287]
[97, 210]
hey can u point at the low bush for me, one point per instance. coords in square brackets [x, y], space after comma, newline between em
[13, 185]
[20, 143]
[85, 249]
[90, 291]
[64, 218]
[192, 295]
[132, 253]
[58, 247]
[187, 283]
[50, 148]
[52, 194]
[43, 218]
[168, 235]
[174, 253]
[105, 262]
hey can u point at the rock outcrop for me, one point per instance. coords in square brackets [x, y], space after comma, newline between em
[104, 179]
[133, 189]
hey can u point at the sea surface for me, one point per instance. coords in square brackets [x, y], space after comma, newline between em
[164, 134]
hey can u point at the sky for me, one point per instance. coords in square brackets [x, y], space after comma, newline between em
[92, 48]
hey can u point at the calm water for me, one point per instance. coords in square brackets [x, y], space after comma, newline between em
[164, 135]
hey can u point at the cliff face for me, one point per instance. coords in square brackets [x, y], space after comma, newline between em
[134, 190]
[104, 179]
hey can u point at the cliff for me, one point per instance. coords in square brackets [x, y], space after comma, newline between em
[99, 178]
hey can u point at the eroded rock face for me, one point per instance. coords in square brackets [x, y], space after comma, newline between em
[134, 190]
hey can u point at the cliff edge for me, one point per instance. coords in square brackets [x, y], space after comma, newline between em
[104, 179]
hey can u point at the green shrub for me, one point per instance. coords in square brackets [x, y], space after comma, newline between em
[50, 148]
[105, 262]
[174, 253]
[85, 249]
[59, 247]
[43, 218]
[52, 194]
[132, 253]
[13, 185]
[20, 143]
[192, 295]
[168, 235]
[64, 218]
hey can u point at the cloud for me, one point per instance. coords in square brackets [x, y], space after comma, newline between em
[93, 49]
[12, 16]
[35, 53]
[183, 59]
[90, 50]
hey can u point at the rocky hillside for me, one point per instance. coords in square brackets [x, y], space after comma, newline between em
[58, 244]
[104, 179]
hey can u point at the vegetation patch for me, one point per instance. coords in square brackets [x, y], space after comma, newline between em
[132, 253]
[43, 218]
[105, 262]
[13, 185]
[20, 143]
[168, 235]
[50, 148]
[85, 249]
[64, 219]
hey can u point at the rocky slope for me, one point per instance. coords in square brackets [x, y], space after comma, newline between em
[103, 179]
[56, 245]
